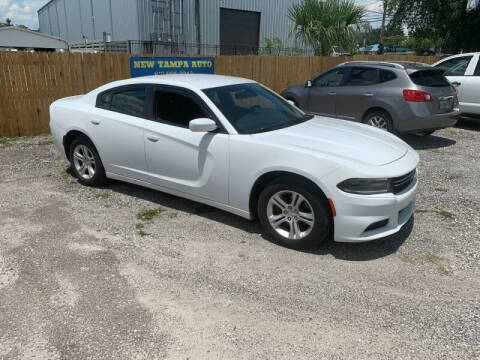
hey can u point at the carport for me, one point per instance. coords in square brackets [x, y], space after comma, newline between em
[13, 37]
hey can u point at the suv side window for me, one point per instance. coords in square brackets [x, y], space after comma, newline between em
[456, 66]
[129, 101]
[363, 76]
[386, 75]
[332, 78]
[176, 108]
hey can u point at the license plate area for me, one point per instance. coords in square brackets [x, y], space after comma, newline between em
[446, 104]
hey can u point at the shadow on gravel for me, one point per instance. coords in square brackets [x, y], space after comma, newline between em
[369, 250]
[427, 142]
[185, 205]
[469, 124]
[352, 252]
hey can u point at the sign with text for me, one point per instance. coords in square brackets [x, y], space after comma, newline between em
[144, 66]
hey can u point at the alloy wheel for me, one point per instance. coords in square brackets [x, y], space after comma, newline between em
[84, 162]
[378, 122]
[290, 215]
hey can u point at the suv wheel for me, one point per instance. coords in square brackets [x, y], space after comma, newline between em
[379, 119]
[86, 163]
[293, 214]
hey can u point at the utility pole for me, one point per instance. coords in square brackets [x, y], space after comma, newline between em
[382, 28]
[197, 25]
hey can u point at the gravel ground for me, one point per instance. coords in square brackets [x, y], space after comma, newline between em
[84, 273]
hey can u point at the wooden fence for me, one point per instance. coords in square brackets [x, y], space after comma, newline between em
[29, 82]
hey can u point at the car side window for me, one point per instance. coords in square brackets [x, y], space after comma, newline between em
[386, 75]
[177, 109]
[129, 102]
[363, 76]
[456, 66]
[332, 78]
[104, 100]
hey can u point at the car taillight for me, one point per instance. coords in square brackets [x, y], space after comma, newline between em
[417, 96]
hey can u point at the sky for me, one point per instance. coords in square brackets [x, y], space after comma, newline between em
[24, 12]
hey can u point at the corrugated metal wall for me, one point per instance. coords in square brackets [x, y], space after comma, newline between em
[274, 20]
[133, 19]
[71, 20]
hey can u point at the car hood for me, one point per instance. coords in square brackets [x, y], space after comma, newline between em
[345, 139]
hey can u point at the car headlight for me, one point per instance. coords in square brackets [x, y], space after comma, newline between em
[366, 186]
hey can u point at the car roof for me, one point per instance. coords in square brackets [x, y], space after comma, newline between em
[189, 81]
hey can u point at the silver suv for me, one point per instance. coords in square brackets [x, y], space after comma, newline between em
[399, 97]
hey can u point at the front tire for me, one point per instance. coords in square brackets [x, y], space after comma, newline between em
[86, 163]
[293, 213]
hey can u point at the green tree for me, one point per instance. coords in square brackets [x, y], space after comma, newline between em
[326, 23]
[8, 22]
[453, 23]
[272, 46]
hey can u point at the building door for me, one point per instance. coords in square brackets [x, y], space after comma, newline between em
[239, 31]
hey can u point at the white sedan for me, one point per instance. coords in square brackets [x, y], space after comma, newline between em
[234, 144]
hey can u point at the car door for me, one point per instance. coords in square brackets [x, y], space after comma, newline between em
[455, 71]
[116, 127]
[358, 94]
[471, 88]
[194, 163]
[322, 93]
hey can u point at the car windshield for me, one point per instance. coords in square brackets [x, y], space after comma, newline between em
[252, 108]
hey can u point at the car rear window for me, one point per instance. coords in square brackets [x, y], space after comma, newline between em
[432, 78]
[386, 75]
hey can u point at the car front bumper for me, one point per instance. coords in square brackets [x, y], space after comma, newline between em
[355, 213]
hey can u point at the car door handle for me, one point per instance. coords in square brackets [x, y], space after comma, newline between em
[332, 93]
[95, 122]
[369, 94]
[456, 83]
[152, 138]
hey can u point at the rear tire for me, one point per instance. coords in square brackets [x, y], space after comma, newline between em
[86, 163]
[294, 213]
[379, 119]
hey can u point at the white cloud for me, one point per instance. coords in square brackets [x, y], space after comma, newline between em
[23, 12]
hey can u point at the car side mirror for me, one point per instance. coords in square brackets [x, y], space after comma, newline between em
[202, 125]
[308, 84]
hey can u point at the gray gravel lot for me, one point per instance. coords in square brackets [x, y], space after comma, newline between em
[82, 277]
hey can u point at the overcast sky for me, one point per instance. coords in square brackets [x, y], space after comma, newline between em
[24, 12]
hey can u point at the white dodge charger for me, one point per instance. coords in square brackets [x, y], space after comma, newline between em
[234, 144]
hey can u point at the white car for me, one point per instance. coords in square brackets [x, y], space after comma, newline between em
[463, 71]
[234, 144]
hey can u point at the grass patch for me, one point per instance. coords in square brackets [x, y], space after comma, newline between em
[437, 261]
[172, 214]
[103, 195]
[406, 259]
[67, 175]
[149, 214]
[140, 227]
[446, 214]
[6, 142]
[45, 143]
[441, 189]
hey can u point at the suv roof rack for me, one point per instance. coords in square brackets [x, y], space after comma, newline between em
[393, 64]
[378, 63]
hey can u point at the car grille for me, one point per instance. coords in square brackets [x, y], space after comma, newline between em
[402, 182]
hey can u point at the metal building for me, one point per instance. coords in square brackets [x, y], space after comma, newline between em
[16, 38]
[230, 24]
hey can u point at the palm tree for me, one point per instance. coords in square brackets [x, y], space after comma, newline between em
[325, 23]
